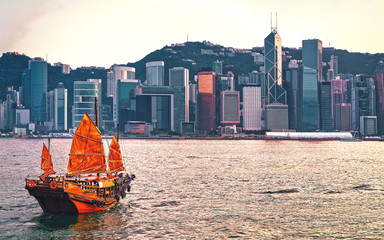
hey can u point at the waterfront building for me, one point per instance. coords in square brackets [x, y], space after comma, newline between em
[155, 74]
[61, 108]
[363, 99]
[22, 116]
[156, 105]
[206, 102]
[276, 117]
[326, 107]
[294, 83]
[368, 125]
[179, 80]
[310, 101]
[125, 97]
[312, 75]
[2, 115]
[124, 74]
[50, 110]
[379, 81]
[273, 68]
[34, 83]
[252, 107]
[346, 120]
[84, 100]
[230, 108]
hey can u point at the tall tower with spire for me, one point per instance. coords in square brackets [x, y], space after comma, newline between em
[276, 110]
[273, 67]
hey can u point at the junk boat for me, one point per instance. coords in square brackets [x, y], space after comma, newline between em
[87, 186]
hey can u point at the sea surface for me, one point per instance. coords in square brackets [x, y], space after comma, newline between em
[211, 189]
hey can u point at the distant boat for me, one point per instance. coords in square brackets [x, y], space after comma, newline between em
[87, 186]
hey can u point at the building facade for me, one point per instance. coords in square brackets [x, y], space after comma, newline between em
[252, 107]
[84, 100]
[206, 102]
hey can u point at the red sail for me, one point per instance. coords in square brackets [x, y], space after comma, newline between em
[115, 159]
[87, 151]
[46, 163]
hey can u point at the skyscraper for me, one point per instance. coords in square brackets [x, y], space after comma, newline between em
[273, 68]
[294, 84]
[207, 101]
[312, 56]
[326, 107]
[34, 84]
[363, 99]
[60, 106]
[84, 100]
[379, 77]
[312, 75]
[251, 107]
[179, 82]
[230, 108]
[155, 73]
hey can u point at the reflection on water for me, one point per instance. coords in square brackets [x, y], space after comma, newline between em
[214, 189]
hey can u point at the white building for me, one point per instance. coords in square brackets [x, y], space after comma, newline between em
[22, 116]
[252, 107]
[84, 99]
[155, 73]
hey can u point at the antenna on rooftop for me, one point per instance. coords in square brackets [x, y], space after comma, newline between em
[274, 29]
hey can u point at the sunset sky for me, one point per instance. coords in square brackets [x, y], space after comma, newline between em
[102, 33]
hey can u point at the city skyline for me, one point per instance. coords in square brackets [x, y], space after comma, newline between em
[91, 33]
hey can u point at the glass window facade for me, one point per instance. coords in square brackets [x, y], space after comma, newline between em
[311, 115]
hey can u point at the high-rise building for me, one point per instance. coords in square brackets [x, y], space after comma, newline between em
[34, 85]
[334, 64]
[125, 95]
[50, 110]
[124, 74]
[179, 82]
[155, 74]
[217, 67]
[84, 100]
[310, 100]
[312, 56]
[330, 75]
[230, 108]
[294, 84]
[273, 68]
[312, 75]
[251, 107]
[61, 108]
[346, 122]
[326, 107]
[363, 99]
[379, 77]
[206, 101]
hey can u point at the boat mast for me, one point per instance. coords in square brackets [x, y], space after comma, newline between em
[118, 131]
[97, 125]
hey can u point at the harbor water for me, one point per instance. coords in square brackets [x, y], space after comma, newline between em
[211, 189]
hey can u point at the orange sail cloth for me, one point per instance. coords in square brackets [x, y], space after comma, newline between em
[46, 163]
[115, 160]
[87, 151]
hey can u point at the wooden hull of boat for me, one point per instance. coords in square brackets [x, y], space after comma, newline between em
[58, 201]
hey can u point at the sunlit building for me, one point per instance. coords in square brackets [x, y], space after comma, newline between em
[206, 102]
[251, 107]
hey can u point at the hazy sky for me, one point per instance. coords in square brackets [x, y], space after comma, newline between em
[101, 33]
